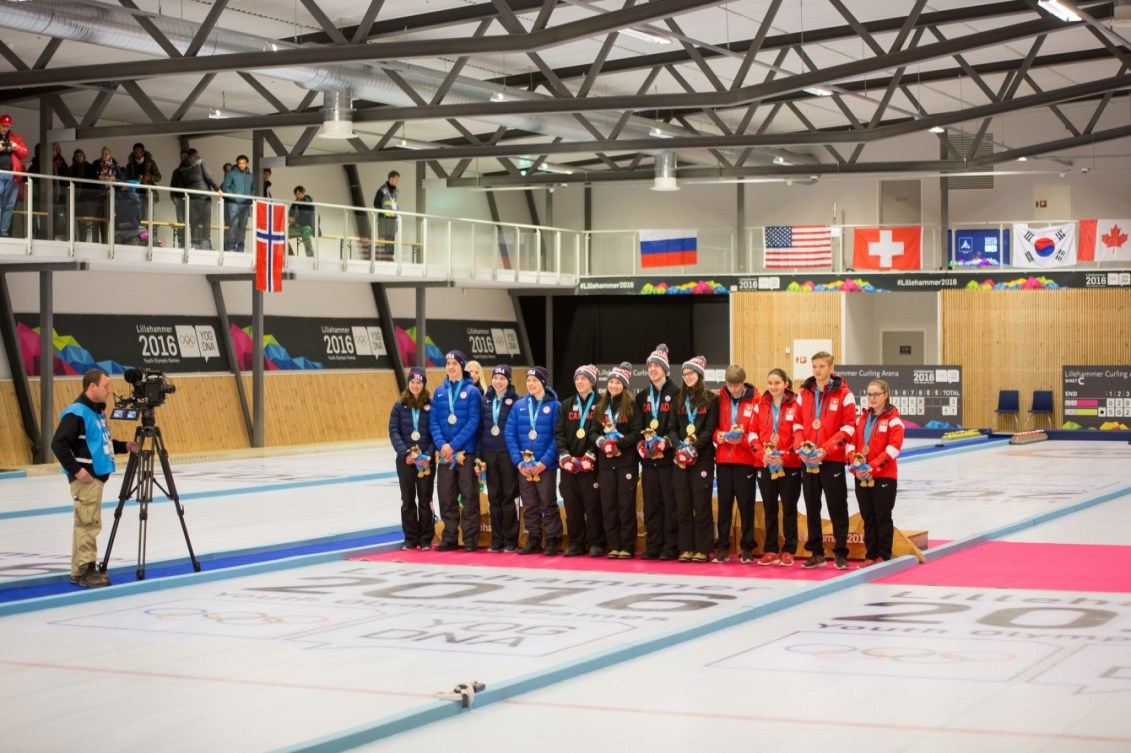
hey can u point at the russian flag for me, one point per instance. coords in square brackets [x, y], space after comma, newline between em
[270, 245]
[668, 248]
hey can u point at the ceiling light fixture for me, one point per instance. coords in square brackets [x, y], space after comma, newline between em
[819, 91]
[658, 133]
[216, 114]
[780, 160]
[1058, 9]
[337, 115]
[646, 36]
[936, 129]
[498, 97]
[1022, 159]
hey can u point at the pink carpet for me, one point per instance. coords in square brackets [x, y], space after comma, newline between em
[1016, 565]
[731, 569]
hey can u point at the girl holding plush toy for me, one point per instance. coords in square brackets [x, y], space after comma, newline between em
[779, 467]
[690, 433]
[614, 432]
[412, 439]
[872, 451]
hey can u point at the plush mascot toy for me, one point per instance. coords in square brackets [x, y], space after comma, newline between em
[862, 470]
[651, 447]
[529, 465]
[422, 462]
[608, 443]
[773, 460]
[808, 454]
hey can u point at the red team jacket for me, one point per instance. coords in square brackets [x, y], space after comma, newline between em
[884, 445]
[838, 417]
[787, 427]
[740, 453]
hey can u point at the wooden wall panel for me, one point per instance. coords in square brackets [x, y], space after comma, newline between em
[764, 325]
[1020, 339]
[15, 449]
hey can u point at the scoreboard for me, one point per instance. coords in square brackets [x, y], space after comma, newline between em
[1095, 396]
[922, 394]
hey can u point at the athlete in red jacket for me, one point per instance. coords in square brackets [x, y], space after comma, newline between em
[734, 461]
[778, 413]
[828, 420]
[879, 438]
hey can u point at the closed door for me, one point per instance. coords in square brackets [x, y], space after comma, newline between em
[903, 348]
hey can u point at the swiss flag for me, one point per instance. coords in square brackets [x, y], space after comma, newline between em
[1104, 240]
[270, 245]
[887, 248]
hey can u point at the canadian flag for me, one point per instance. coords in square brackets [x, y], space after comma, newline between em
[1104, 240]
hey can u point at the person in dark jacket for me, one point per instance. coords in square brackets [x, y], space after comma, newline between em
[238, 187]
[83, 446]
[412, 440]
[86, 196]
[530, 430]
[108, 171]
[385, 202]
[455, 430]
[141, 166]
[614, 432]
[502, 476]
[578, 462]
[689, 431]
[734, 462]
[301, 218]
[193, 174]
[654, 403]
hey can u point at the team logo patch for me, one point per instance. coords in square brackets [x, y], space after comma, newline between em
[667, 398]
[703, 474]
[833, 404]
[463, 394]
[546, 410]
[595, 485]
[628, 476]
[883, 426]
[427, 407]
[508, 401]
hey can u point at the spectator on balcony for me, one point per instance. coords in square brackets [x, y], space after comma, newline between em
[238, 187]
[386, 204]
[108, 171]
[301, 219]
[193, 174]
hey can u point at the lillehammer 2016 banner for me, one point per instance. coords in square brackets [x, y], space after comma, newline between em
[885, 248]
[668, 248]
[798, 247]
[1044, 247]
[1104, 240]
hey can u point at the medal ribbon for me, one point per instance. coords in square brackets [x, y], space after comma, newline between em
[690, 413]
[534, 410]
[777, 414]
[415, 419]
[733, 412]
[869, 423]
[496, 406]
[820, 397]
[609, 413]
[585, 410]
[654, 401]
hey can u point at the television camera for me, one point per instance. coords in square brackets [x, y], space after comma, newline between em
[149, 389]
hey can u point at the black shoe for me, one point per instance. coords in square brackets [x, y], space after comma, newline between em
[407, 547]
[532, 546]
[471, 548]
[667, 556]
[817, 560]
[552, 548]
[649, 555]
[447, 546]
[841, 562]
[596, 551]
[495, 548]
[722, 555]
[510, 548]
[425, 547]
[575, 550]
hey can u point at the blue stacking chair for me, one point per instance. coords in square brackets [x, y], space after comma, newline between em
[1042, 406]
[1008, 406]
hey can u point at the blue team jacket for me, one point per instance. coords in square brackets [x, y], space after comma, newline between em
[400, 430]
[518, 430]
[487, 442]
[463, 435]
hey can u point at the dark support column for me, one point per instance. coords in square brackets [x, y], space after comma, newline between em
[45, 194]
[740, 264]
[257, 138]
[389, 333]
[225, 336]
[587, 225]
[46, 365]
[257, 391]
[421, 326]
[520, 322]
[357, 198]
[19, 373]
[550, 336]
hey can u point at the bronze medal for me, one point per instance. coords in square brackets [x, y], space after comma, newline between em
[415, 436]
[452, 419]
[494, 431]
[817, 424]
[653, 424]
[773, 439]
[581, 433]
[533, 434]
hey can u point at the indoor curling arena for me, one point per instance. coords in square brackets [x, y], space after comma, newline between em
[262, 261]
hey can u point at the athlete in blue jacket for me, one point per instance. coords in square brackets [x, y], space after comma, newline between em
[530, 428]
[455, 430]
[502, 477]
[409, 431]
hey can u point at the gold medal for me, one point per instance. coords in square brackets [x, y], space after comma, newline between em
[452, 419]
[415, 436]
[494, 431]
[653, 424]
[817, 424]
[690, 429]
[533, 434]
[581, 433]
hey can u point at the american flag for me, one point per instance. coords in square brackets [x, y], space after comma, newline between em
[798, 246]
[270, 245]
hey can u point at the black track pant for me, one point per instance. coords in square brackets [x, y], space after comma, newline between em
[462, 482]
[583, 509]
[416, 505]
[659, 510]
[736, 482]
[831, 482]
[786, 491]
[876, 504]
[540, 513]
[618, 505]
[693, 487]
[502, 489]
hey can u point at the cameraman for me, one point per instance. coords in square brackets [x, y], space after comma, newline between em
[12, 152]
[83, 446]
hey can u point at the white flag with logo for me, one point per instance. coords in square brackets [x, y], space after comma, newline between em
[1040, 248]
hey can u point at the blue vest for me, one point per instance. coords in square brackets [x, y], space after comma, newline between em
[97, 438]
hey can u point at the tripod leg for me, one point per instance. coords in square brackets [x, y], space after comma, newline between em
[144, 497]
[125, 493]
[171, 490]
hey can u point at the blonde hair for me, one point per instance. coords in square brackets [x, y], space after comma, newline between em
[483, 381]
[823, 355]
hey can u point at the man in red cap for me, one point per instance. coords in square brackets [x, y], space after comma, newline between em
[12, 153]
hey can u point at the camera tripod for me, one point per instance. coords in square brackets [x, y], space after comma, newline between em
[140, 468]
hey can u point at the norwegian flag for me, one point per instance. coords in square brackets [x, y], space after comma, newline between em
[270, 245]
